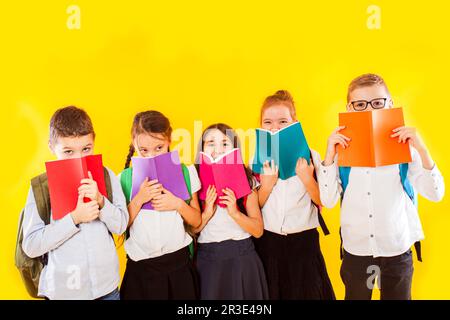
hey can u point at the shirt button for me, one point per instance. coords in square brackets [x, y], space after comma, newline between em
[370, 216]
[324, 171]
[371, 235]
[367, 171]
[368, 193]
[326, 185]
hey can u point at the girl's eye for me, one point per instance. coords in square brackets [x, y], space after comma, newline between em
[226, 144]
[210, 144]
[266, 122]
[283, 121]
[68, 152]
[159, 148]
[87, 149]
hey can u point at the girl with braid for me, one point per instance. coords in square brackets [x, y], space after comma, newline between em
[157, 245]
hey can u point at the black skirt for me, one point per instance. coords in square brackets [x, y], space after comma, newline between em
[231, 270]
[168, 277]
[294, 266]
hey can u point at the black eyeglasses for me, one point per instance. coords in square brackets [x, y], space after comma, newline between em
[361, 105]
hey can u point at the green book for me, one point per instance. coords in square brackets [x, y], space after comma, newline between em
[285, 147]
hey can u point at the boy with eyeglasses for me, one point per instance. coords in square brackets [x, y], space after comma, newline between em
[379, 221]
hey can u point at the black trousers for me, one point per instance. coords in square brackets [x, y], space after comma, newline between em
[394, 276]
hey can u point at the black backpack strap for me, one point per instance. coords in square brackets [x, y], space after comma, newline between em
[418, 247]
[341, 248]
[322, 223]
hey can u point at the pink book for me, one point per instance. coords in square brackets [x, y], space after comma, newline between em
[226, 171]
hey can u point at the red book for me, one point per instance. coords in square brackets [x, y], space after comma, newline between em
[64, 179]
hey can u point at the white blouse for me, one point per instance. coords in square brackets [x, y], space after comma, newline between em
[156, 233]
[222, 227]
[289, 208]
[377, 216]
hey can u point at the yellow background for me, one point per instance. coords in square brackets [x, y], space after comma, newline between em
[216, 61]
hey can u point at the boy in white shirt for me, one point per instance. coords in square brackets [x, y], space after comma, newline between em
[379, 221]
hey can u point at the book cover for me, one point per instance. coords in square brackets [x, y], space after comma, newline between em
[226, 171]
[285, 147]
[371, 144]
[64, 179]
[166, 168]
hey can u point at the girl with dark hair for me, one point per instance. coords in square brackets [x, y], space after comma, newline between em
[227, 263]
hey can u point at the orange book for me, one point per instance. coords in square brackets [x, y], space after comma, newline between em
[371, 144]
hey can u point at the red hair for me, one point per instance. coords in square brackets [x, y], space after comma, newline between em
[281, 97]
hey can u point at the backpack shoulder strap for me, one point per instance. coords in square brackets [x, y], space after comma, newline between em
[407, 186]
[108, 184]
[126, 182]
[322, 223]
[41, 194]
[344, 174]
[403, 168]
[187, 180]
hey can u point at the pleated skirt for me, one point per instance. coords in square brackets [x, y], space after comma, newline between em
[168, 277]
[294, 266]
[231, 270]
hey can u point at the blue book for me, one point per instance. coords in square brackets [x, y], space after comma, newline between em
[284, 147]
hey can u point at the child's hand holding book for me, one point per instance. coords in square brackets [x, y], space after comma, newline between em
[336, 138]
[210, 201]
[148, 190]
[85, 211]
[304, 171]
[90, 190]
[269, 176]
[229, 200]
[167, 201]
[411, 136]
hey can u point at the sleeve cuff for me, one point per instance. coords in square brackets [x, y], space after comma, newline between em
[107, 208]
[327, 171]
[68, 225]
[434, 173]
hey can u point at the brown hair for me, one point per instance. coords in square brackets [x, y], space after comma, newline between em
[281, 97]
[231, 134]
[70, 122]
[149, 122]
[365, 80]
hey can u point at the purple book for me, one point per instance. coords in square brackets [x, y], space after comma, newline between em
[166, 168]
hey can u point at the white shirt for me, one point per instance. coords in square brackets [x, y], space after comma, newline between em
[377, 217]
[289, 208]
[82, 259]
[156, 233]
[222, 227]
